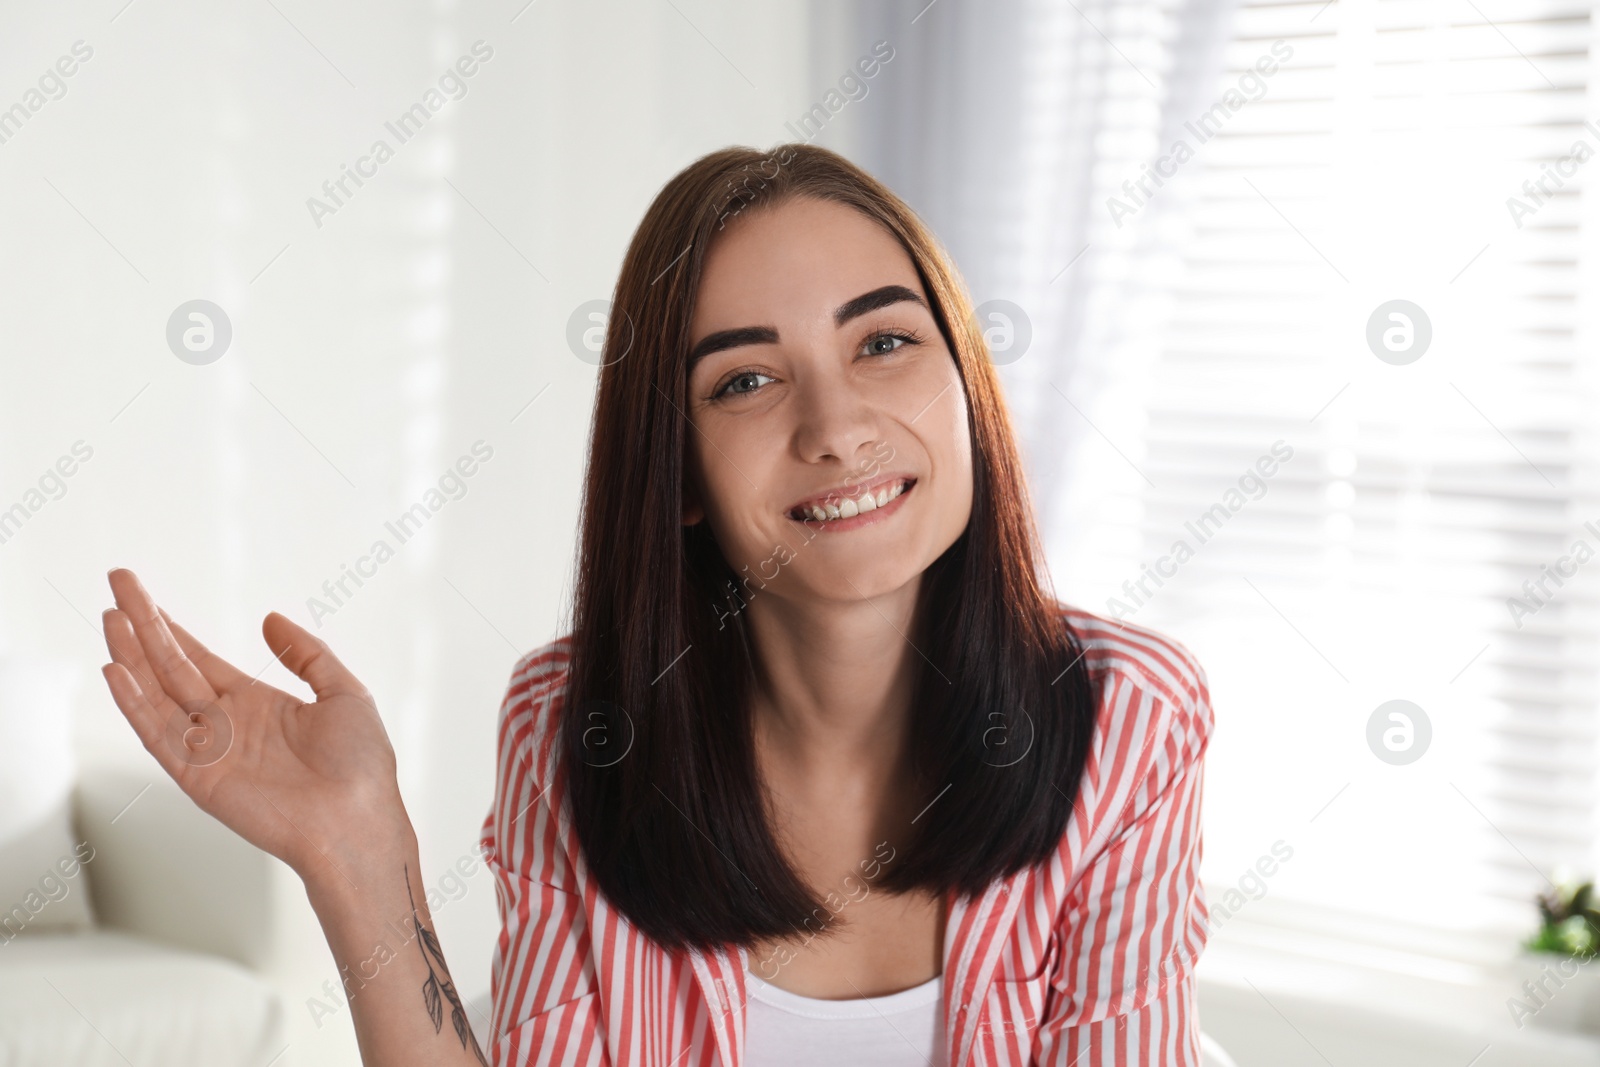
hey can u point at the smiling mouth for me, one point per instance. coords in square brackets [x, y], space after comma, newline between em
[840, 506]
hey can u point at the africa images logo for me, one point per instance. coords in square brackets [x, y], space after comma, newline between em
[409, 123]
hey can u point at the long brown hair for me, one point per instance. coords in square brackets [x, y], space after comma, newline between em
[658, 758]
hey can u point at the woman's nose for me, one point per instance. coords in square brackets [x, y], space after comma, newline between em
[835, 419]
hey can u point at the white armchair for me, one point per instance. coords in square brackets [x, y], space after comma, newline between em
[1212, 1054]
[165, 978]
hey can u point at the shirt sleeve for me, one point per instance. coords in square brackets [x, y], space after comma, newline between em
[1136, 920]
[546, 999]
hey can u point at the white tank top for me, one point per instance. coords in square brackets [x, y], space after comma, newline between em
[904, 1029]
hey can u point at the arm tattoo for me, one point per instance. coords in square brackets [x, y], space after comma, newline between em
[435, 991]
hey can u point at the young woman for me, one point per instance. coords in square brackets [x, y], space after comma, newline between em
[822, 773]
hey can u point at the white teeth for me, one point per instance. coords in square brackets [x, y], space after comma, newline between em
[849, 509]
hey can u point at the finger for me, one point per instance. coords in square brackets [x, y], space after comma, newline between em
[310, 657]
[126, 650]
[123, 645]
[221, 674]
[148, 723]
[180, 678]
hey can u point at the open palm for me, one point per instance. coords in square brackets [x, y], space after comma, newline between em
[310, 783]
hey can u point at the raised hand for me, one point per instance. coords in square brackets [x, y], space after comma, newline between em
[312, 783]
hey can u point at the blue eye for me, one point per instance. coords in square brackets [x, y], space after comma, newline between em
[728, 387]
[888, 335]
[872, 346]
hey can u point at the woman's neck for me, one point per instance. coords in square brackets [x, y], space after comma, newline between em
[832, 695]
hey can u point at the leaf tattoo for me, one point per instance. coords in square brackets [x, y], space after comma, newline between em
[430, 997]
[434, 991]
[431, 943]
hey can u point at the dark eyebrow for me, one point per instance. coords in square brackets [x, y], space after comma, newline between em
[878, 298]
[766, 335]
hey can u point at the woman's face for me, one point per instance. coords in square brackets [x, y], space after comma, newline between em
[818, 376]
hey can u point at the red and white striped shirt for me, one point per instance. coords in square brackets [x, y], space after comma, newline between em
[1086, 959]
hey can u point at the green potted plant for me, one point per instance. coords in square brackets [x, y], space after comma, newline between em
[1558, 982]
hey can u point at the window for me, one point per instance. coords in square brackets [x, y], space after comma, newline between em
[1426, 151]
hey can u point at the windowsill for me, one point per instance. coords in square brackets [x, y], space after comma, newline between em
[1356, 980]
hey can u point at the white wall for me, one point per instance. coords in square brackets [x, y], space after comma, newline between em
[368, 353]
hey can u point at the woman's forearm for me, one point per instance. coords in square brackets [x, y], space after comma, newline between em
[374, 913]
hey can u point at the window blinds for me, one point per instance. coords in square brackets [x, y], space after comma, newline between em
[1420, 151]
